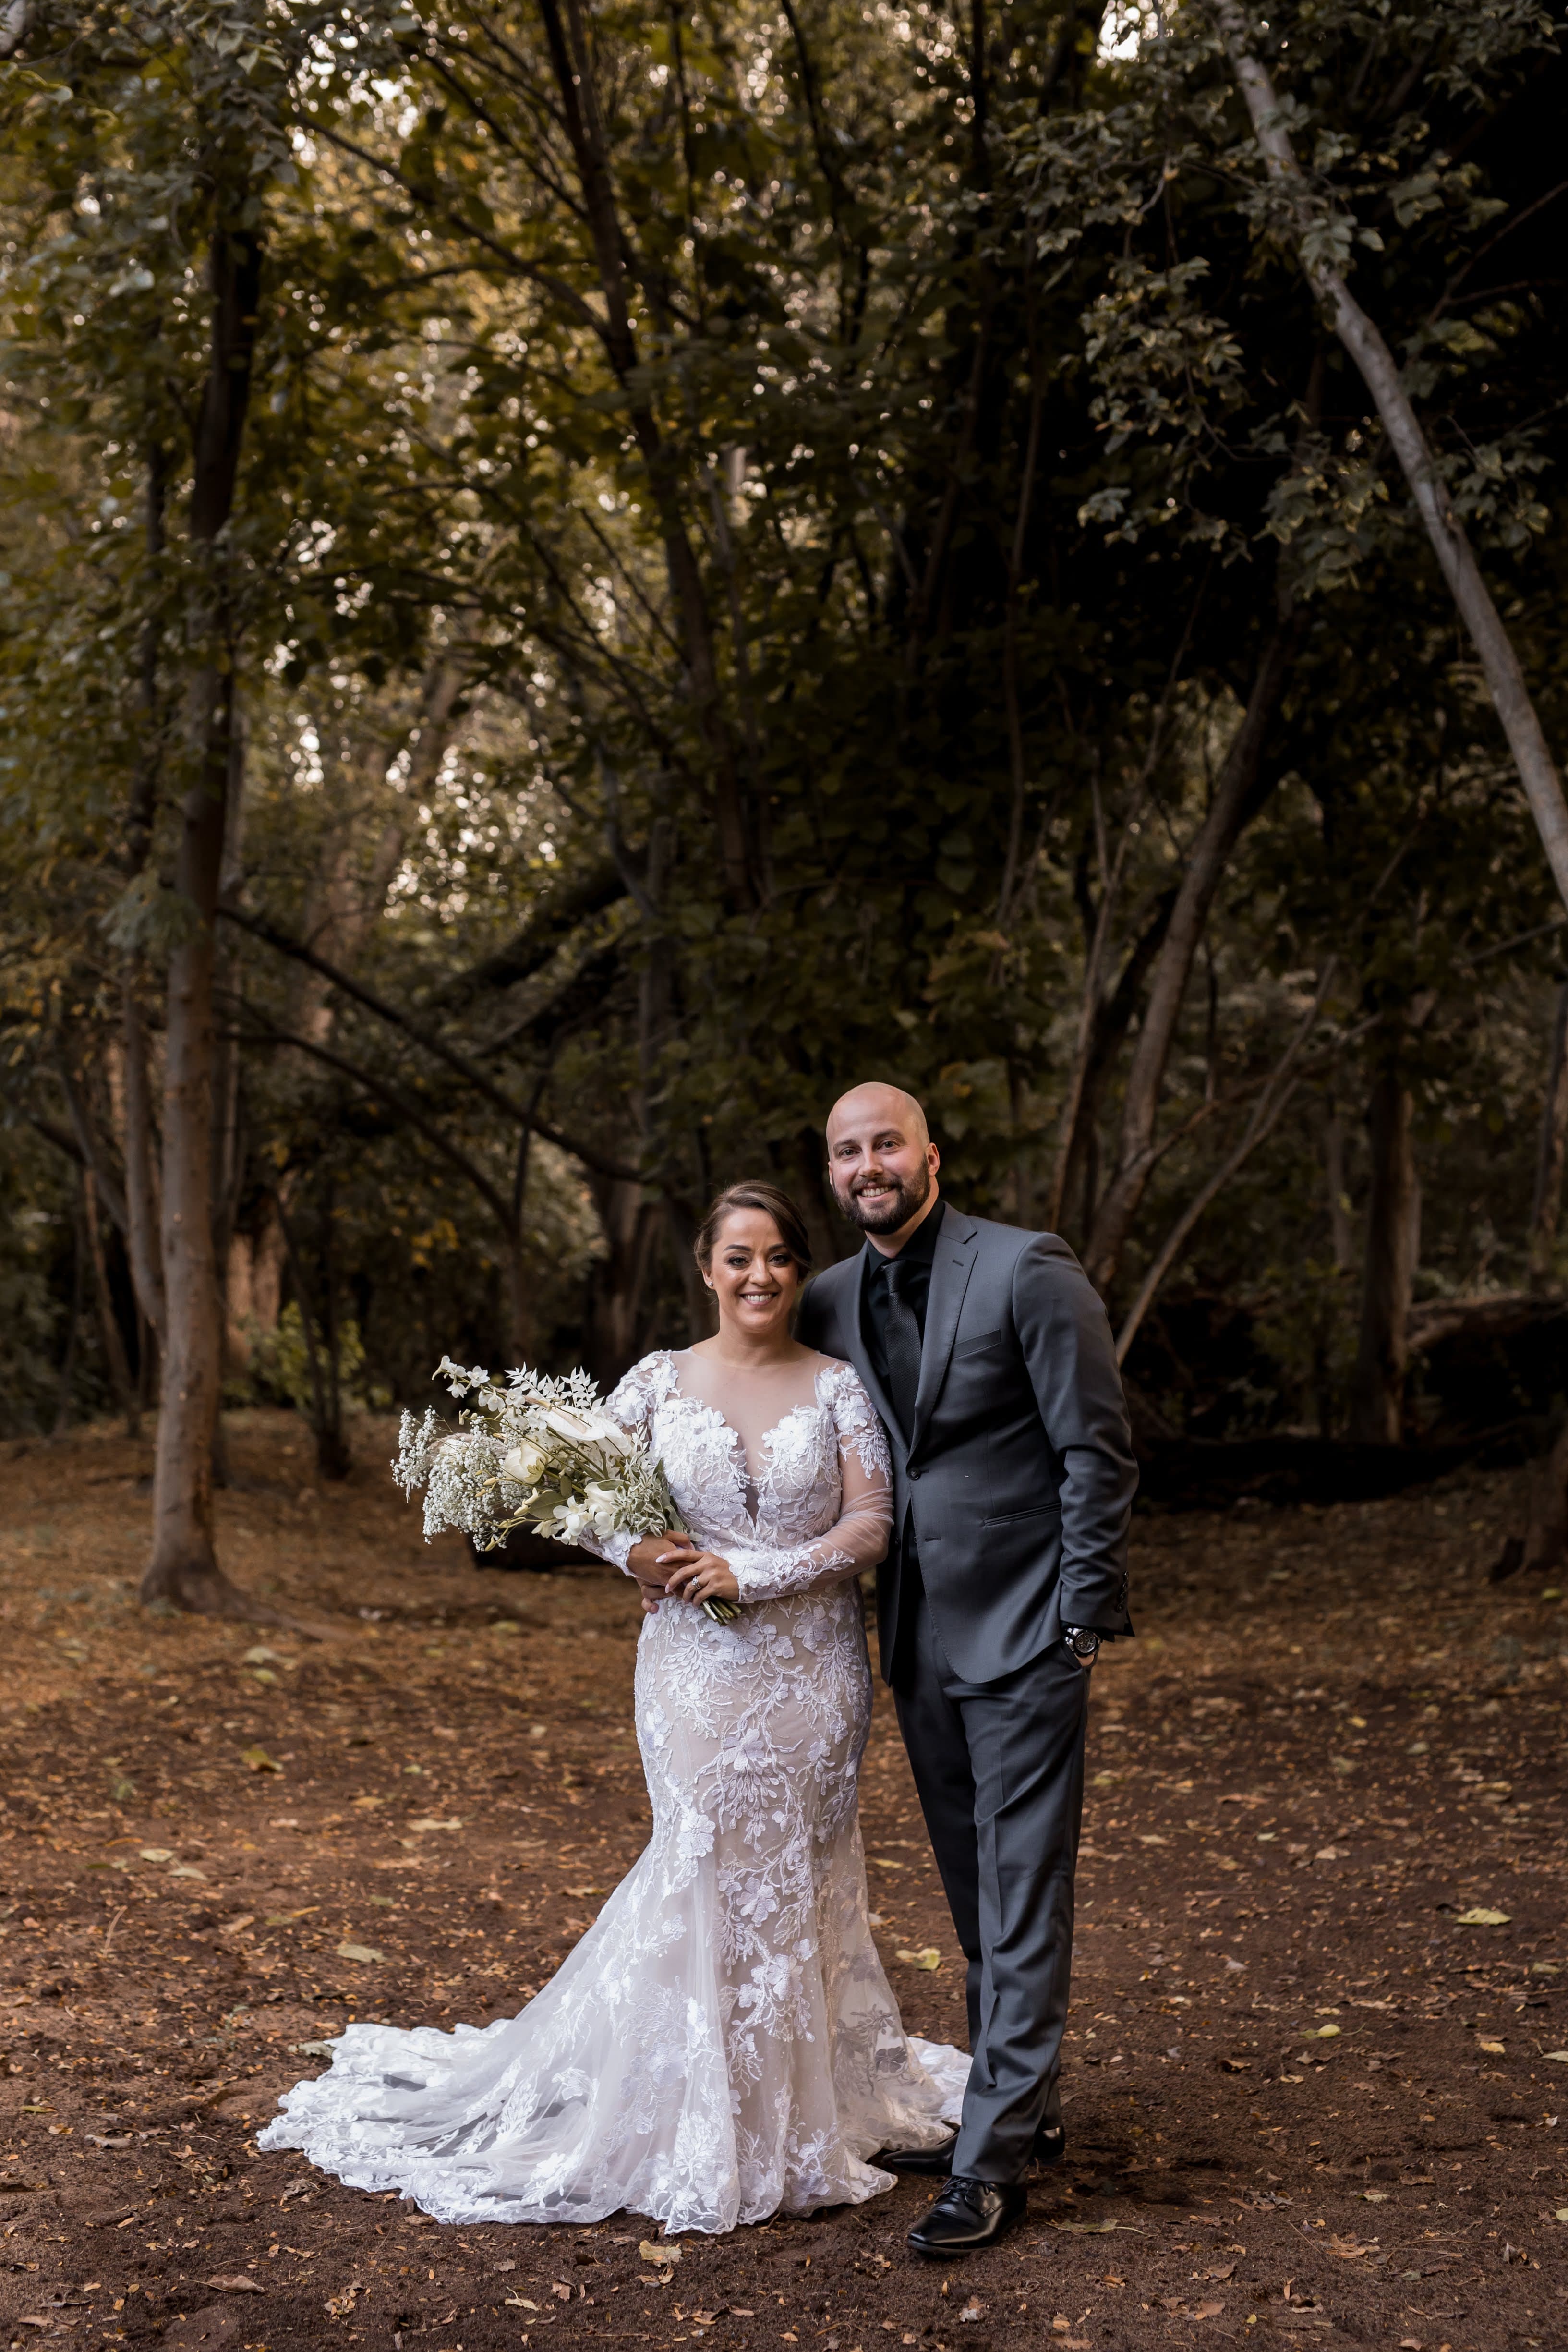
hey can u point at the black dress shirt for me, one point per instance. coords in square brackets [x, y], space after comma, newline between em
[914, 1260]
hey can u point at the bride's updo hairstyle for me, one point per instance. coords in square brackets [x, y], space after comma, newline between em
[773, 1204]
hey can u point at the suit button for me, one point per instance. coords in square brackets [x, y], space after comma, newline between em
[915, 1473]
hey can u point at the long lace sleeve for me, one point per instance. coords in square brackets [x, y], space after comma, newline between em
[631, 1407]
[858, 1537]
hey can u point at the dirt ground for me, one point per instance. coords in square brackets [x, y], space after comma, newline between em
[1316, 2059]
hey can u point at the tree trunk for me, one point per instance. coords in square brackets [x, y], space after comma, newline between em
[1393, 1251]
[1548, 1201]
[628, 1220]
[1456, 558]
[702, 1318]
[73, 1328]
[113, 1340]
[183, 1569]
[1204, 872]
[1342, 1233]
[144, 1245]
[739, 820]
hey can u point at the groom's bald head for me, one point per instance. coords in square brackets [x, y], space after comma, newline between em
[877, 1105]
[882, 1160]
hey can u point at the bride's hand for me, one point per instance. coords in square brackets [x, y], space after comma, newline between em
[702, 1576]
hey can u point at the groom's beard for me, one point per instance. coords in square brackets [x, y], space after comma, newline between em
[893, 1209]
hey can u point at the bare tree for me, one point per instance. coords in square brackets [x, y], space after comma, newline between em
[1392, 1251]
[1364, 341]
[1547, 1205]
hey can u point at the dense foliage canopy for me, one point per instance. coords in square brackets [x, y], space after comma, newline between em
[702, 552]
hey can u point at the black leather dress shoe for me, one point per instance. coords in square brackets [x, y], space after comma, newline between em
[1050, 2144]
[926, 2160]
[967, 2215]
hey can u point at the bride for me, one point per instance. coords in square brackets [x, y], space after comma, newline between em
[723, 2043]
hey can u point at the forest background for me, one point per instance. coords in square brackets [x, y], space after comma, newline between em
[577, 578]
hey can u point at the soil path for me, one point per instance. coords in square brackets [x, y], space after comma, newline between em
[1313, 2089]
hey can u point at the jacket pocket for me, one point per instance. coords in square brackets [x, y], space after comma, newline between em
[979, 1344]
[1051, 1510]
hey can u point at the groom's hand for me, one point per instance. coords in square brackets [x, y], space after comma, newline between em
[650, 1559]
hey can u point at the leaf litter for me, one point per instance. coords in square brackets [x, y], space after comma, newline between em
[245, 1975]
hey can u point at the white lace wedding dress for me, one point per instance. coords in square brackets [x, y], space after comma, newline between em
[723, 2042]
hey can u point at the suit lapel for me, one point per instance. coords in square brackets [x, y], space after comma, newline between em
[951, 1267]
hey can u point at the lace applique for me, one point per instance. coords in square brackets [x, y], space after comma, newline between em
[723, 2042]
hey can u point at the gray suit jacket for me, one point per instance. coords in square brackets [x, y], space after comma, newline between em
[1016, 1486]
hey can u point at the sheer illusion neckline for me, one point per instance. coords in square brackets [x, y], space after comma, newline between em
[751, 1440]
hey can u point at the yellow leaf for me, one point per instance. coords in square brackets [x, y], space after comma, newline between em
[258, 1760]
[928, 1957]
[1481, 1917]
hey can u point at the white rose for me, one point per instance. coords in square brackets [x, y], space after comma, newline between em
[523, 1465]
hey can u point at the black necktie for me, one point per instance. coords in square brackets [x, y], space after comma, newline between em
[903, 1348]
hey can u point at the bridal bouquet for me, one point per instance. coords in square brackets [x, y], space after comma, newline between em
[534, 1452]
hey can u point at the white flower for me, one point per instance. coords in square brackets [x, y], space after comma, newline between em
[523, 1465]
[603, 1505]
[458, 1377]
[587, 1429]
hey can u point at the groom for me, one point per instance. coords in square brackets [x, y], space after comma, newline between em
[990, 1357]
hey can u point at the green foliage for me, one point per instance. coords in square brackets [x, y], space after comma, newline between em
[843, 524]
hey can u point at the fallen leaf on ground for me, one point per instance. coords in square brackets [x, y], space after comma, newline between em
[1492, 2048]
[258, 1760]
[663, 2255]
[366, 1952]
[928, 1957]
[157, 1853]
[1351, 2249]
[434, 1826]
[1097, 2229]
[1481, 1917]
[1208, 2311]
[1322, 2033]
[236, 2282]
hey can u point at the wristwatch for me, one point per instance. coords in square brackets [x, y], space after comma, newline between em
[1084, 1642]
